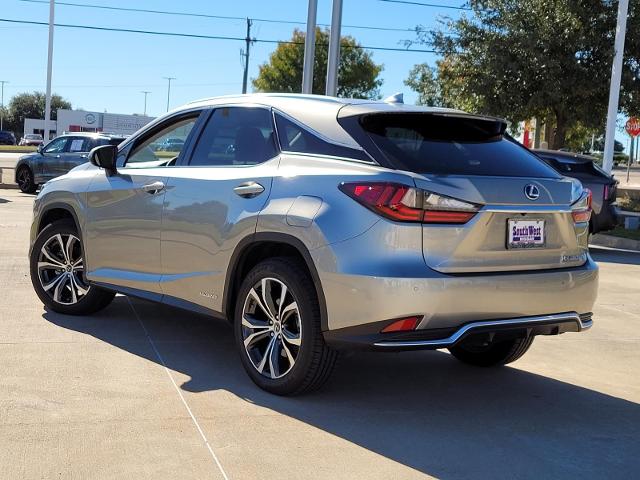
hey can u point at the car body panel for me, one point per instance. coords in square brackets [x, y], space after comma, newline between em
[203, 221]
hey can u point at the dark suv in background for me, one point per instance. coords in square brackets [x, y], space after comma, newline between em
[602, 185]
[7, 138]
[58, 157]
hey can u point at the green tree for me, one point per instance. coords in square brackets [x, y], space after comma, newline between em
[549, 59]
[357, 74]
[31, 105]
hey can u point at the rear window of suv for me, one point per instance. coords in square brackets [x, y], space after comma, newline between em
[452, 145]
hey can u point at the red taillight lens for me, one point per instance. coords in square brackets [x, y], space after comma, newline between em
[402, 325]
[583, 215]
[606, 192]
[406, 204]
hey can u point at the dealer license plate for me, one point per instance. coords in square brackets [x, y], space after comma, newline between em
[525, 233]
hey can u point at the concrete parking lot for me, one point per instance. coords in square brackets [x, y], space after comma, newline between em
[144, 391]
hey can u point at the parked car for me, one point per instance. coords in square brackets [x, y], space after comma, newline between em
[602, 185]
[331, 224]
[7, 138]
[31, 139]
[58, 157]
[171, 145]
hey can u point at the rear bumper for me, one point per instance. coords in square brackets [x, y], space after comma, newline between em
[606, 219]
[369, 339]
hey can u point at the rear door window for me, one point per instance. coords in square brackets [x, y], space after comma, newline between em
[236, 136]
[452, 145]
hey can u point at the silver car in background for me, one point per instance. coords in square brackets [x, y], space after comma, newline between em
[316, 224]
[58, 157]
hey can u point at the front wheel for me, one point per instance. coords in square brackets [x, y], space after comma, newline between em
[26, 182]
[277, 327]
[58, 272]
[494, 354]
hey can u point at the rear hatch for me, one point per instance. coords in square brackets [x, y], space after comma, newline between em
[524, 218]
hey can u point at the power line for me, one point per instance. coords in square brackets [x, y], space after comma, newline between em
[432, 5]
[208, 37]
[205, 15]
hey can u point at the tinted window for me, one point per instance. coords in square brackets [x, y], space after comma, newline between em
[56, 146]
[236, 136]
[156, 150]
[294, 138]
[438, 144]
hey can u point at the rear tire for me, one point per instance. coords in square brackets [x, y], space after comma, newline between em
[58, 272]
[26, 182]
[278, 335]
[494, 354]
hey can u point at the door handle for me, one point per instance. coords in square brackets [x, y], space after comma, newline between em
[249, 189]
[153, 188]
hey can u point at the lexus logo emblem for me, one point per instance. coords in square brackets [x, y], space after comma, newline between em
[531, 191]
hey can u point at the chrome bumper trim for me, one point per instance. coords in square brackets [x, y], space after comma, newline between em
[469, 327]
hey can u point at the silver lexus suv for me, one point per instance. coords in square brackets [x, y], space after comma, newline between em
[316, 224]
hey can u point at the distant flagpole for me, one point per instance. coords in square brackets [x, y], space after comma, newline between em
[47, 103]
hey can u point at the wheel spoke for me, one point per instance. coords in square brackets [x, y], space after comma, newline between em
[58, 290]
[265, 357]
[71, 240]
[54, 282]
[293, 306]
[258, 300]
[50, 265]
[274, 366]
[291, 338]
[75, 281]
[45, 251]
[62, 248]
[288, 354]
[267, 297]
[283, 294]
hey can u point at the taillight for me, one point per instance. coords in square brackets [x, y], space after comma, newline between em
[582, 213]
[407, 204]
[606, 192]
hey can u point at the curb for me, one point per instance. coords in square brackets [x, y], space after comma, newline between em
[603, 240]
[6, 178]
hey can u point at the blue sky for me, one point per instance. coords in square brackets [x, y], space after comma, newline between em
[107, 70]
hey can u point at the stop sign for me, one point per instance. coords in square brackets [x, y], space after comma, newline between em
[633, 126]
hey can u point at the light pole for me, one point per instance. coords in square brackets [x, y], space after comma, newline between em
[2, 104]
[309, 48]
[334, 49]
[168, 89]
[47, 103]
[145, 101]
[614, 89]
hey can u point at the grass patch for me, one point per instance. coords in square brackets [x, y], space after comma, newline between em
[16, 149]
[628, 203]
[624, 233]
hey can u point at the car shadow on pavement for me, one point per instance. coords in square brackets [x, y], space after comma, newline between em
[422, 409]
[606, 255]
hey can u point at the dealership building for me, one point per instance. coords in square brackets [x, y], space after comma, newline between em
[83, 121]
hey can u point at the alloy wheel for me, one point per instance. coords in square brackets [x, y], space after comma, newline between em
[271, 328]
[24, 179]
[61, 269]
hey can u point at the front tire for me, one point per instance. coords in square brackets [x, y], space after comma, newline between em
[26, 182]
[58, 272]
[277, 329]
[494, 354]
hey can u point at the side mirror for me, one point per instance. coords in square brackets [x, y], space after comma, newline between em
[40, 148]
[105, 157]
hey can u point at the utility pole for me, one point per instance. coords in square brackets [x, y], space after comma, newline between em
[614, 89]
[2, 104]
[333, 61]
[145, 101]
[47, 103]
[245, 54]
[169, 89]
[309, 48]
